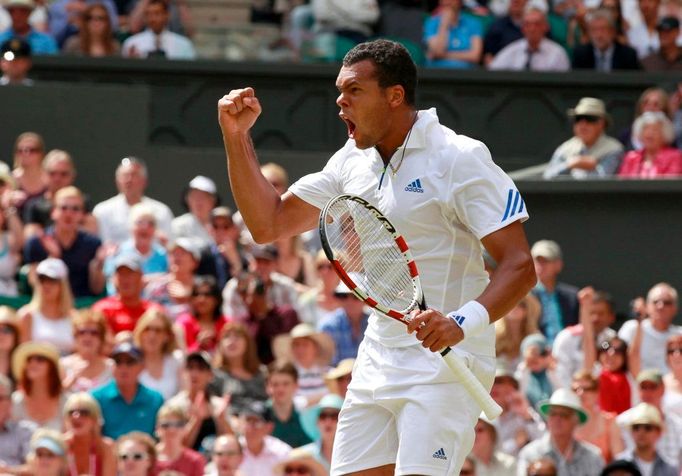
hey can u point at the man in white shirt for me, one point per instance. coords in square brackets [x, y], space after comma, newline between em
[156, 40]
[644, 36]
[533, 52]
[661, 308]
[596, 311]
[262, 451]
[112, 214]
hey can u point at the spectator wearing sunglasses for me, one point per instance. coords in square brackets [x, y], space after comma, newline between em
[655, 329]
[672, 398]
[535, 373]
[48, 454]
[646, 428]
[226, 457]
[616, 379]
[88, 451]
[201, 327]
[590, 152]
[600, 429]
[326, 416]
[651, 389]
[88, 367]
[171, 453]
[81, 252]
[136, 454]
[126, 404]
[300, 462]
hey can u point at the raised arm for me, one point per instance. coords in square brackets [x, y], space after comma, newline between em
[267, 215]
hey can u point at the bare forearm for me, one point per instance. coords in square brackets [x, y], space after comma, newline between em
[511, 281]
[255, 197]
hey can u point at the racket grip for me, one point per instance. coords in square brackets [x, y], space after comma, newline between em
[475, 388]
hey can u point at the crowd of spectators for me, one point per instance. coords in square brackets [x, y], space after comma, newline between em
[133, 342]
[534, 35]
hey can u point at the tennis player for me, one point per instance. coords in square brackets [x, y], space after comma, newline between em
[404, 412]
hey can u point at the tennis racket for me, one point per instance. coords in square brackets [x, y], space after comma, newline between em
[374, 261]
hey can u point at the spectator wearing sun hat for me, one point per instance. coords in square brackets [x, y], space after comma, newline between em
[301, 462]
[346, 325]
[646, 428]
[20, 11]
[310, 351]
[563, 413]
[200, 198]
[338, 378]
[320, 422]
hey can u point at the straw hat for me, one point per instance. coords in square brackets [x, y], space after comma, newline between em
[645, 414]
[281, 345]
[301, 456]
[563, 398]
[590, 107]
[27, 349]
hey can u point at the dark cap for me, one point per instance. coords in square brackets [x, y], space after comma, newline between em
[668, 23]
[268, 252]
[15, 48]
[259, 409]
[200, 356]
[127, 348]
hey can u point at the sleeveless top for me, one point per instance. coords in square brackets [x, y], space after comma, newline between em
[55, 331]
[168, 385]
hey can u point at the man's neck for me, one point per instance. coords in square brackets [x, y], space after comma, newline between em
[646, 454]
[128, 392]
[549, 284]
[670, 53]
[255, 446]
[133, 198]
[564, 444]
[64, 235]
[131, 301]
[283, 410]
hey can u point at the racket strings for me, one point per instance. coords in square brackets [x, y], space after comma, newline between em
[365, 248]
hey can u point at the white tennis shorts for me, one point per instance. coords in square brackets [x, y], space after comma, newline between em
[404, 406]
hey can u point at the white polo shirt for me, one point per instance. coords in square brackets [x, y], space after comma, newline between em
[445, 197]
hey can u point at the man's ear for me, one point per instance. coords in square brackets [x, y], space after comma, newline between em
[396, 95]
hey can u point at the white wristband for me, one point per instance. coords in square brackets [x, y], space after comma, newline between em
[473, 318]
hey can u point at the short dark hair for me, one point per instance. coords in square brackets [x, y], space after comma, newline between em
[606, 298]
[283, 368]
[163, 3]
[393, 64]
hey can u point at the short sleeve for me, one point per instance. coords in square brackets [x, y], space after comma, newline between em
[319, 187]
[485, 198]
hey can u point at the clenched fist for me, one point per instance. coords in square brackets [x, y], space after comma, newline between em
[238, 111]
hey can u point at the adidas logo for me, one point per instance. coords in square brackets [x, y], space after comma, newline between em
[458, 319]
[440, 454]
[515, 204]
[415, 186]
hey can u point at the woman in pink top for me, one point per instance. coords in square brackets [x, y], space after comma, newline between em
[656, 158]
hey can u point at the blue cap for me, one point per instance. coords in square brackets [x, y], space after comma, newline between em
[48, 443]
[128, 349]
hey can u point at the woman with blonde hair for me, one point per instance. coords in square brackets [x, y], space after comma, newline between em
[95, 38]
[47, 454]
[88, 452]
[136, 454]
[163, 362]
[515, 326]
[87, 367]
[47, 318]
[237, 368]
[39, 396]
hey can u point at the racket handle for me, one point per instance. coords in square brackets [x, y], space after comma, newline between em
[480, 395]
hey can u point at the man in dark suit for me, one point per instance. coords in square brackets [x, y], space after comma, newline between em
[603, 52]
[559, 300]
